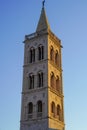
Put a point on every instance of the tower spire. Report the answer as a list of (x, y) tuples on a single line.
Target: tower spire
[(43, 21)]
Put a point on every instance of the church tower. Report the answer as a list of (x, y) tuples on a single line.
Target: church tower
[(42, 105)]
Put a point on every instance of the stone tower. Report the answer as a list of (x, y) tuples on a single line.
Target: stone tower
[(42, 92)]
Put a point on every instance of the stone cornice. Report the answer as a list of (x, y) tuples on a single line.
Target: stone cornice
[(34, 63), (38, 89), (55, 92), (35, 35), (60, 122)]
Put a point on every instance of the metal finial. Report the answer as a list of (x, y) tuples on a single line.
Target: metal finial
[(43, 2)]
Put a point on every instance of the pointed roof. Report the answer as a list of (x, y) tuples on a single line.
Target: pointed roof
[(43, 22)]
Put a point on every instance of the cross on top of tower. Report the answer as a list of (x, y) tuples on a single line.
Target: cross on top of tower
[(43, 2)]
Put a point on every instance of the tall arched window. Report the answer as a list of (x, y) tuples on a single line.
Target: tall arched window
[(57, 84), (53, 108), (39, 106), (30, 108), (40, 52), (31, 81), (39, 109), (32, 55), (59, 112), (51, 54), (52, 80), (56, 58), (40, 79)]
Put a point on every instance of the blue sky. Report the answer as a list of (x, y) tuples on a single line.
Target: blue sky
[(68, 20)]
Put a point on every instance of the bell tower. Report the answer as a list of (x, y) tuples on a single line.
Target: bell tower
[(42, 105)]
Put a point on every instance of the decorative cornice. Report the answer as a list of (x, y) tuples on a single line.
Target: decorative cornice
[(38, 89)]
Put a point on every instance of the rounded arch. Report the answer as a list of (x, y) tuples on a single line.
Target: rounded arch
[(40, 45), (40, 78), (32, 54), (52, 80), (31, 81), (57, 83), (59, 111), (31, 74), (51, 53), (40, 52), (30, 108), (57, 57), (40, 71), (31, 48), (39, 106), (53, 107)]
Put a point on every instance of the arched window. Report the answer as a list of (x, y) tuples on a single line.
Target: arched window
[(56, 58), (52, 80), (30, 108), (32, 55), (51, 54), (31, 81), (39, 109), (40, 79), (53, 108), (57, 84), (59, 112), (39, 106), (40, 52)]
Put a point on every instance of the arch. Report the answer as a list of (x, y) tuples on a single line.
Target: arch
[(57, 84), (53, 107), (32, 54), (52, 80), (51, 53), (59, 112), (39, 106), (58, 109), (31, 81), (56, 58), (40, 52), (40, 79), (30, 108)]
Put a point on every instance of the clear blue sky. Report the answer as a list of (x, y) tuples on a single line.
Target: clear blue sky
[(68, 20)]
